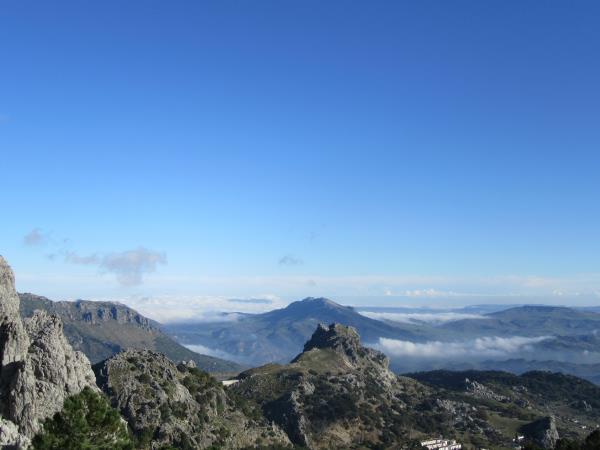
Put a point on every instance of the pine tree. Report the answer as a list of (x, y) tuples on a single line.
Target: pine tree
[(87, 422)]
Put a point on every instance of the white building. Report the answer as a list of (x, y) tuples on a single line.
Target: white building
[(441, 444)]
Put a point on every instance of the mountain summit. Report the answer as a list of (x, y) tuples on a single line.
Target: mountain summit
[(280, 334), (336, 336)]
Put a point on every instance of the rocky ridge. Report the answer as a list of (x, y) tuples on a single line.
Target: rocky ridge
[(103, 329), (38, 367)]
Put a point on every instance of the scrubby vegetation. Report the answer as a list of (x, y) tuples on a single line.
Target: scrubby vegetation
[(87, 421)]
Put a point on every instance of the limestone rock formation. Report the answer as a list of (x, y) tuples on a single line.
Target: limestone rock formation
[(480, 390), (542, 432), (345, 343), (179, 406), (38, 370), (335, 394)]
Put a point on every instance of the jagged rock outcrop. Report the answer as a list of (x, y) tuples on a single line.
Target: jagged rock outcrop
[(179, 406), (480, 390), (345, 343), (542, 432), (335, 394), (38, 370)]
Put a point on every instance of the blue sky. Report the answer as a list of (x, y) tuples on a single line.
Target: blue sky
[(375, 149)]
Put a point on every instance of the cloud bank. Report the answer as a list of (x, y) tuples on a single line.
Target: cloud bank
[(198, 309), (434, 318), (203, 350), (484, 347)]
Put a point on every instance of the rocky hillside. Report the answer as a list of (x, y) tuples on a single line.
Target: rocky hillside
[(335, 394), (169, 406), (339, 394), (543, 406), (102, 329), (38, 367)]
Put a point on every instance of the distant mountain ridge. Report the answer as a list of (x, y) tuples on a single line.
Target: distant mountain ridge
[(279, 335), (102, 329), (527, 320)]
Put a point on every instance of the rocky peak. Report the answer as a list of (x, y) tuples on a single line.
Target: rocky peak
[(335, 336), (9, 307), (542, 432), (38, 368), (325, 397), (13, 339), (344, 341)]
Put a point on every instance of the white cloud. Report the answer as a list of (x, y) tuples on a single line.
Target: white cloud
[(433, 317), (178, 308), (129, 266), (487, 347), (203, 350)]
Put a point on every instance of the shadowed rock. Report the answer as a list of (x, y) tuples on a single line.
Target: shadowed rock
[(542, 432)]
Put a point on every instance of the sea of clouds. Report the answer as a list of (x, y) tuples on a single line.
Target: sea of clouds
[(433, 317), (483, 347)]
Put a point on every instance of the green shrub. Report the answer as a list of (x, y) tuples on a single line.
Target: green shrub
[(87, 422)]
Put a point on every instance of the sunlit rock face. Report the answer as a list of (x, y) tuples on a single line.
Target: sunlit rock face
[(38, 367)]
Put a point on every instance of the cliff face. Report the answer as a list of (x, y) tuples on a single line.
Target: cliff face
[(103, 329), (38, 367)]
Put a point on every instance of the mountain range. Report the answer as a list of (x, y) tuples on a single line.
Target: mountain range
[(334, 394), (278, 335), (102, 329), (561, 338)]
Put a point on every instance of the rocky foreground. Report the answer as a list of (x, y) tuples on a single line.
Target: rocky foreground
[(38, 368), (336, 394)]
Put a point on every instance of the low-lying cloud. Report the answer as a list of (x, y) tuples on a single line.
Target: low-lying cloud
[(203, 350), (484, 347), (197, 309), (434, 318), (129, 266)]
